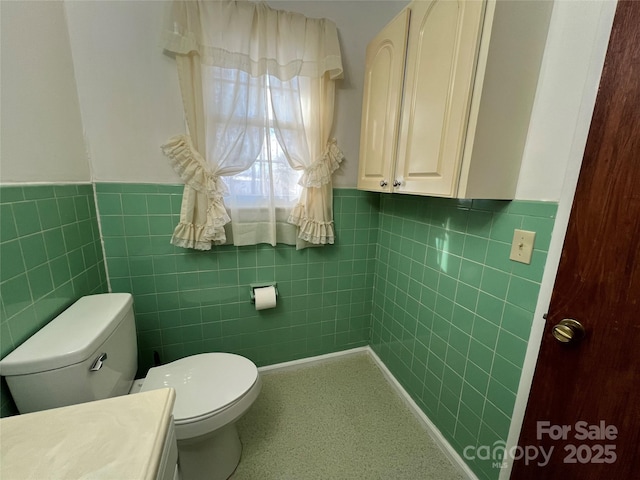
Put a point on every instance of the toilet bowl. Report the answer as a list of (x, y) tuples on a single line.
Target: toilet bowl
[(89, 352), (213, 390)]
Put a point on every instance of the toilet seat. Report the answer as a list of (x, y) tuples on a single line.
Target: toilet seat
[(208, 387)]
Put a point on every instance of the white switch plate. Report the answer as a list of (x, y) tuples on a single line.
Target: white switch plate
[(522, 246)]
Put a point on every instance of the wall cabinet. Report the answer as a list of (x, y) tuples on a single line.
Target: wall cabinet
[(449, 89)]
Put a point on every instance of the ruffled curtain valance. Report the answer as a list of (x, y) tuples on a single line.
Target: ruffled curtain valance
[(245, 70), (274, 42)]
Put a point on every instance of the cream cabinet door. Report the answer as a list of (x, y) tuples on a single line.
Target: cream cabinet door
[(441, 58), (384, 71)]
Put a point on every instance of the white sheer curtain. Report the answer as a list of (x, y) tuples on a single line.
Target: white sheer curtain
[(249, 73), (308, 103)]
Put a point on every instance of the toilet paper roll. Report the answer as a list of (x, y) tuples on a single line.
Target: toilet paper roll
[(265, 297)]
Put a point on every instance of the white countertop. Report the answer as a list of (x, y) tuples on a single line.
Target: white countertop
[(118, 438)]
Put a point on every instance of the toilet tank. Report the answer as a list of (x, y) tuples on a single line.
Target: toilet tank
[(88, 352)]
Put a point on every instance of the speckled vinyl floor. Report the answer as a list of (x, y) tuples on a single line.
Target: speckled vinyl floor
[(336, 420)]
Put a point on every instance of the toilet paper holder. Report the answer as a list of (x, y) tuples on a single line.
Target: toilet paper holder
[(253, 287)]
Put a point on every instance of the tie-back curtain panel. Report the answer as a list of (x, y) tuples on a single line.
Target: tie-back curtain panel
[(251, 75)]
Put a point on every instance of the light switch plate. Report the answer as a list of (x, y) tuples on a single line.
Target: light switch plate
[(522, 246)]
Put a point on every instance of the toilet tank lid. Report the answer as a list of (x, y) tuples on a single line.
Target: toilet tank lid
[(71, 337)]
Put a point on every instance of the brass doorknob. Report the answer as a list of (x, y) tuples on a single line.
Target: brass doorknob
[(568, 331)]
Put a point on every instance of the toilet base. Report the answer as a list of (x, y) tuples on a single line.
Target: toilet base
[(214, 456)]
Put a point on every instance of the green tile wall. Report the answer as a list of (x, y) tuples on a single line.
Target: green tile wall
[(427, 282), (188, 302), (50, 255), (452, 314)]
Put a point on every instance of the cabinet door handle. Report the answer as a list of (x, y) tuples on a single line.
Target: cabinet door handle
[(383, 183), (397, 183)]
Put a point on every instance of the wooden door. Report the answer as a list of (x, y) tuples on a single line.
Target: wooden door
[(441, 62), (384, 74), (585, 398)]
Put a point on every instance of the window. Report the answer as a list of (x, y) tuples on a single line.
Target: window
[(258, 90), (270, 178)]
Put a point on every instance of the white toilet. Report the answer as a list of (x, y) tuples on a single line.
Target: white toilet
[(89, 352)]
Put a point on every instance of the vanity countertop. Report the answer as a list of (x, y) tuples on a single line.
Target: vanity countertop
[(116, 438)]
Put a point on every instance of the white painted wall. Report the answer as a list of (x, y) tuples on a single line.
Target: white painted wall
[(130, 101), (565, 71), (41, 135), (129, 91)]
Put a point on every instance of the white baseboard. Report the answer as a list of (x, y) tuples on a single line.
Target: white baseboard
[(317, 359), (435, 434)]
